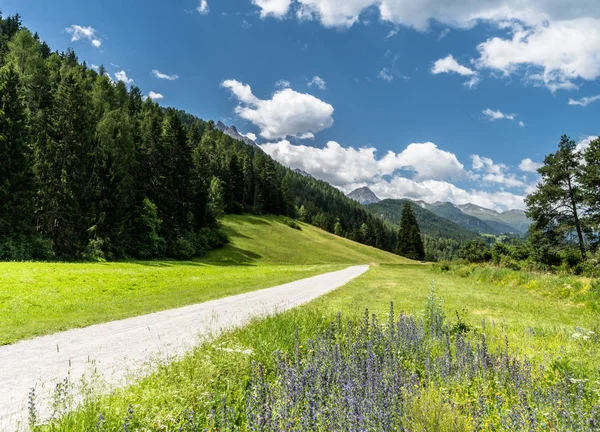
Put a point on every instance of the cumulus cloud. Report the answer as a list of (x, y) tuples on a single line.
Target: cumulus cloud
[(155, 96), (584, 143), (79, 32), (203, 8), (122, 76), (554, 54), (449, 64), (495, 173), (585, 101), (275, 8), (158, 74), (346, 165), (250, 135), (318, 82), (287, 114), (421, 171), (529, 166), (499, 115), (553, 43)]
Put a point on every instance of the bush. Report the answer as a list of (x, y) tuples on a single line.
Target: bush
[(183, 248), (444, 266), (292, 224), (509, 263)]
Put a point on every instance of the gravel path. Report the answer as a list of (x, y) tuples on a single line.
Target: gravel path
[(123, 350)]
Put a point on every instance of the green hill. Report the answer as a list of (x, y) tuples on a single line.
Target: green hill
[(431, 224), (449, 211), (39, 298), (267, 240)]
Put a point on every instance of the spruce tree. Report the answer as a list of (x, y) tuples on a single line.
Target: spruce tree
[(410, 244), (16, 187), (556, 205), (591, 183)]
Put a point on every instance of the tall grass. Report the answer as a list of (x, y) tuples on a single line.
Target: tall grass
[(409, 373)]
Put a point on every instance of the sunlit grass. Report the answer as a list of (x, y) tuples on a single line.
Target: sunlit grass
[(538, 328), (42, 298)]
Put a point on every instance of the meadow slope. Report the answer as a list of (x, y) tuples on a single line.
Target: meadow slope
[(41, 298)]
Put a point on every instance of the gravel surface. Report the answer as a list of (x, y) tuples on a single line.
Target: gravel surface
[(122, 351)]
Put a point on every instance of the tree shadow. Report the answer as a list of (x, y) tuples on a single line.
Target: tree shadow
[(233, 256)]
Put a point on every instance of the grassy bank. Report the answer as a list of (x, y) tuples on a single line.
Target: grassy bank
[(42, 298), (551, 344)]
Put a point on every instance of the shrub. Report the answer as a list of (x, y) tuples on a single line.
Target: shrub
[(444, 266), (292, 224), (183, 248)]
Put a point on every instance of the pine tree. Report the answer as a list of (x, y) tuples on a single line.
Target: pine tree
[(555, 207), (590, 181), (63, 169), (410, 244), (16, 187)]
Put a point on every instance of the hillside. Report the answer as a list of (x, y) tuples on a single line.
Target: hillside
[(267, 240), (449, 211), (108, 173), (42, 297), (515, 219), (430, 223)]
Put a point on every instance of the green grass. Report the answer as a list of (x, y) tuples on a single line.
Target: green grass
[(537, 326), (42, 298)]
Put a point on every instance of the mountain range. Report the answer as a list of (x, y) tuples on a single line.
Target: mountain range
[(469, 217)]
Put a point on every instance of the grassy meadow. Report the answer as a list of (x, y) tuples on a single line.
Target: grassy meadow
[(479, 355), (40, 298)]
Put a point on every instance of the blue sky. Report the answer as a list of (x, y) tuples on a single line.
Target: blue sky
[(466, 95)]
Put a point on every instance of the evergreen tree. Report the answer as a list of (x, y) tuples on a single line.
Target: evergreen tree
[(16, 187), (555, 207), (63, 169), (215, 198), (590, 181), (410, 244)]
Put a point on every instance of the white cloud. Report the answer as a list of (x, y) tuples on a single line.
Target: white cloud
[(584, 143), (498, 115), (158, 74), (449, 64), (203, 8), (585, 101), (339, 165), (155, 96), (122, 76), (393, 32), (386, 75), (79, 32), (552, 43), (283, 84), (529, 166), (494, 173), (420, 171), (432, 191), (250, 135), (287, 113), (275, 8), (472, 82), (522, 124), (95, 67), (318, 82), (554, 53)]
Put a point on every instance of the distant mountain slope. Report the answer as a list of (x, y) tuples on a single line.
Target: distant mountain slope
[(429, 223), (233, 133), (451, 212), (364, 196), (515, 219)]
